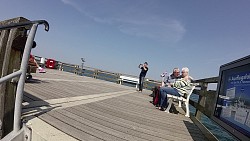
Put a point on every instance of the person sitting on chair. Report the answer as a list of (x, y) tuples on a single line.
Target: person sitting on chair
[(168, 80), (180, 87)]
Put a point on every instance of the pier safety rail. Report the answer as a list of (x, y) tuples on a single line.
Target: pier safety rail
[(18, 133)]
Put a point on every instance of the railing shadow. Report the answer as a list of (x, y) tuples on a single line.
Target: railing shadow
[(34, 106), (33, 81), (193, 131)]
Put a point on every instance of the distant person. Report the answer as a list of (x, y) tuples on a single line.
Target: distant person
[(180, 87), (32, 62), (144, 70)]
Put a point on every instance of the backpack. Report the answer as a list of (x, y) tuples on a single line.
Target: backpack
[(156, 96)]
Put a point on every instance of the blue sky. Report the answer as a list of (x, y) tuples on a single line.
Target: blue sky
[(117, 35)]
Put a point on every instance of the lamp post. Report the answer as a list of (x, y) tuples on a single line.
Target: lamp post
[(83, 60)]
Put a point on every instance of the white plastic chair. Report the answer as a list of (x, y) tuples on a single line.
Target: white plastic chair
[(180, 99)]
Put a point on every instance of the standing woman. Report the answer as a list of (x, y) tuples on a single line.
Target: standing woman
[(144, 70)]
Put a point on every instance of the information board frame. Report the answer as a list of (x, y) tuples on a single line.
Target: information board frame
[(232, 106)]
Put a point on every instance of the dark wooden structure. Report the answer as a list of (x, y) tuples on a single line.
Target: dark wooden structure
[(12, 43)]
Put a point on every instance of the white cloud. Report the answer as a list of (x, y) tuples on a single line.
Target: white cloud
[(131, 18), (73, 4), (165, 30)]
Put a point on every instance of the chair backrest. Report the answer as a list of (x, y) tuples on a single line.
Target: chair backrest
[(191, 91)]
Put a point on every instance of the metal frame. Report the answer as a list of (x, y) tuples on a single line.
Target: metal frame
[(22, 71)]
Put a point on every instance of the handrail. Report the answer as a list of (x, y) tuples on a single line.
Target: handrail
[(10, 76), (95, 73), (23, 68), (208, 80), (22, 24)]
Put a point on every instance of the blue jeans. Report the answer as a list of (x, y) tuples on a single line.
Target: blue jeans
[(141, 80), (164, 91)]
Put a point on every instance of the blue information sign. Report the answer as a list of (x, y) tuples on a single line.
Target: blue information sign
[(233, 103)]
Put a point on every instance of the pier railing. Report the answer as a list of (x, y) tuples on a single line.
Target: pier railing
[(205, 104), (207, 97), (99, 74)]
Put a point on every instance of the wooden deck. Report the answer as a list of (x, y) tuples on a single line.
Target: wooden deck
[(93, 110)]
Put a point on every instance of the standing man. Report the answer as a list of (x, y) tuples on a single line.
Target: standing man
[(144, 70)]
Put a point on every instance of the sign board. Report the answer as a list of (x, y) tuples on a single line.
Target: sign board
[(232, 109)]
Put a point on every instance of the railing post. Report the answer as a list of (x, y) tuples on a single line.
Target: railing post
[(118, 80), (81, 70), (61, 66), (202, 100), (78, 70), (75, 69), (95, 73)]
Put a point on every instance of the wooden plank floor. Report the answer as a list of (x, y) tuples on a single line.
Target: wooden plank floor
[(93, 110)]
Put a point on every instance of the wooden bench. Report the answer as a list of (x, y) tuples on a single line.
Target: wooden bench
[(129, 80), (180, 99)]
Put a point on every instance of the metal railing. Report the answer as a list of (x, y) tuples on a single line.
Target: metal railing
[(98, 73), (17, 131)]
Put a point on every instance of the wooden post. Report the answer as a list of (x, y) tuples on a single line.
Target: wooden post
[(202, 100), (12, 43), (210, 102), (60, 66), (118, 81), (78, 70), (75, 69), (95, 73)]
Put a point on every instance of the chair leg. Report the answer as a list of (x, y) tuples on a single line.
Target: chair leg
[(180, 103), (170, 101), (187, 109)]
